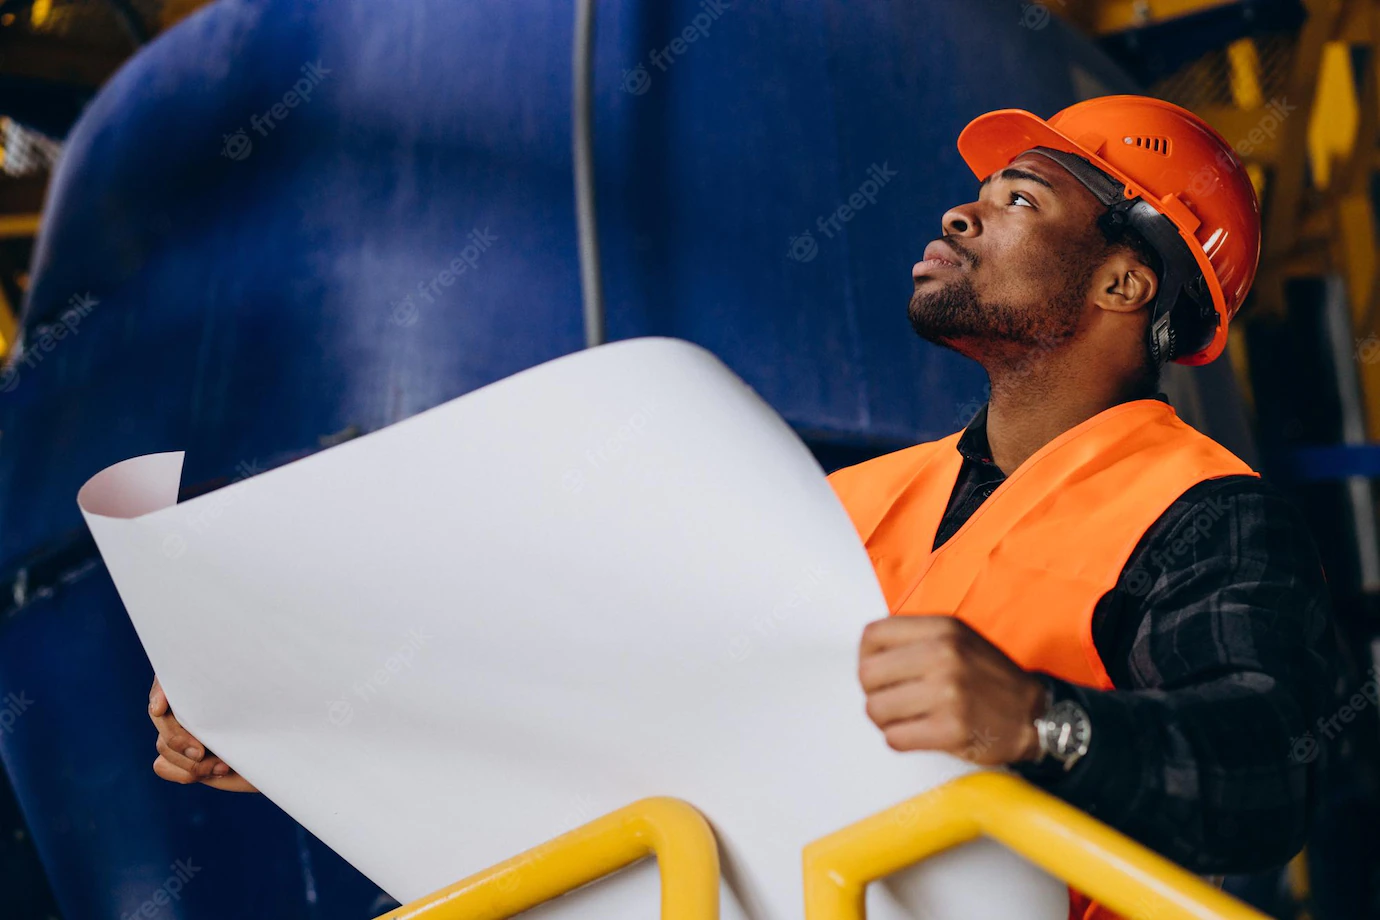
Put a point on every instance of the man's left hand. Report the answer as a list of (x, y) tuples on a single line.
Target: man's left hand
[(934, 684)]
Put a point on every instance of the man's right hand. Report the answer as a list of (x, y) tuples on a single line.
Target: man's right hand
[(182, 758)]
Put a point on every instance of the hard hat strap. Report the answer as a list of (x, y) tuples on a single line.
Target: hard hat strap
[(1184, 319), (1104, 188)]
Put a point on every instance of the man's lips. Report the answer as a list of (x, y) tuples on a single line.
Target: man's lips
[(939, 255)]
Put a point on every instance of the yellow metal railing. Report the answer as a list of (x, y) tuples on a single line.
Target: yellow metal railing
[(1086, 854), (667, 828), (1109, 867)]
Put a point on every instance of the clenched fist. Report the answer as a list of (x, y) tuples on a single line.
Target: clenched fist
[(934, 684)]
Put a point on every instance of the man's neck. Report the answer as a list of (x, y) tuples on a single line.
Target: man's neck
[(1028, 409)]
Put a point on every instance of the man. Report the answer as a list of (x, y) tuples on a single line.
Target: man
[(1134, 620), (1137, 623)]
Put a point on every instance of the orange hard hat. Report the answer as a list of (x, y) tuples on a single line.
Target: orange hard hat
[(1169, 176)]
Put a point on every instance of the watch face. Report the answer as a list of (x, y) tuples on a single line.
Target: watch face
[(1070, 731)]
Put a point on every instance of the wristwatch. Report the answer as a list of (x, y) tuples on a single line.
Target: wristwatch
[(1064, 731)]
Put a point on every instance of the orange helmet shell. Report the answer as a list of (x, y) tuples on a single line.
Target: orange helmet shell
[(1163, 154)]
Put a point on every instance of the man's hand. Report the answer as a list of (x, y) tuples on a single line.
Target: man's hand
[(182, 758), (934, 684)]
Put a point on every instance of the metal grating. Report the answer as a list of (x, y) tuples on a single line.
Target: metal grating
[(1206, 83)]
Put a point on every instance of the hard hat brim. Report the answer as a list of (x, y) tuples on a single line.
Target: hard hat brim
[(991, 141)]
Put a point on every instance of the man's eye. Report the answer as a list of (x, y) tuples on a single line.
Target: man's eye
[(1015, 195)]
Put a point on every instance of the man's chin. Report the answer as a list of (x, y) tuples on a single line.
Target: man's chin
[(942, 327), (938, 319), (967, 345)]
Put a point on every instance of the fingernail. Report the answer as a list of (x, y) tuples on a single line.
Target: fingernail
[(193, 753), (220, 769)]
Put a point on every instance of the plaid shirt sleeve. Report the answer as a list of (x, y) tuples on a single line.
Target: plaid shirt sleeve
[(1219, 641)]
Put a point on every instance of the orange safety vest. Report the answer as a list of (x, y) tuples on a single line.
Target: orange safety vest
[(1028, 567)]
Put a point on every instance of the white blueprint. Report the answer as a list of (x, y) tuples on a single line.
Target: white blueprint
[(618, 574)]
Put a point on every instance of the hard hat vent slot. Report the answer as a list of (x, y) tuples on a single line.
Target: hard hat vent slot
[(1152, 143)]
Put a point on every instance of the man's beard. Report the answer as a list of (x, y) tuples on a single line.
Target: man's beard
[(952, 315)]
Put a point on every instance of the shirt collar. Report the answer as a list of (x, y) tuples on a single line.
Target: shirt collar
[(972, 444)]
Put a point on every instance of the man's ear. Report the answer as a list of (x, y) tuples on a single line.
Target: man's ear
[(1125, 283)]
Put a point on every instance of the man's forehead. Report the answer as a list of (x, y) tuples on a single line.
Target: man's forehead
[(1036, 168), (1043, 171)]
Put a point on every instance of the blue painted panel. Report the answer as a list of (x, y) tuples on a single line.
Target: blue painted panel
[(242, 281)]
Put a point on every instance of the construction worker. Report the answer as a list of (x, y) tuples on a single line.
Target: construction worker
[(1131, 618), (1135, 620)]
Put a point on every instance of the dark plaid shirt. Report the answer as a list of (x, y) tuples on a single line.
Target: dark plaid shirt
[(1220, 650)]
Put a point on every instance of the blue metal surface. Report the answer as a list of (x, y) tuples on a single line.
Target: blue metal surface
[(264, 278)]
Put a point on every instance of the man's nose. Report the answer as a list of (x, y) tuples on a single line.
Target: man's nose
[(961, 221)]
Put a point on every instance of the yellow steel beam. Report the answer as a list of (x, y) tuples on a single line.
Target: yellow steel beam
[(1257, 174), (667, 828), (1255, 133), (1299, 884), (1245, 74), (9, 327), (176, 10), (1109, 867), (1332, 129), (1354, 240), (1288, 178), (18, 226), (1104, 16)]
